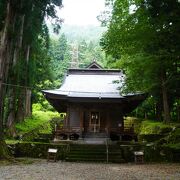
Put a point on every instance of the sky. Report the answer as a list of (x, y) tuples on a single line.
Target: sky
[(81, 12)]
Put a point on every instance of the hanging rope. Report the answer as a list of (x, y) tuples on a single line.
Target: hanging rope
[(14, 85)]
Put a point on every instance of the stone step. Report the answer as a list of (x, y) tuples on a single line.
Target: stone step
[(94, 153), (85, 159), (95, 140), (95, 135)]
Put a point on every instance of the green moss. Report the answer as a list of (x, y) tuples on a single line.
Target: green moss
[(154, 127)]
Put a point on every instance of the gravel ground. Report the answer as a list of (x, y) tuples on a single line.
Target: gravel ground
[(42, 170)]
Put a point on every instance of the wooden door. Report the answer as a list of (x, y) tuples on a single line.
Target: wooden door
[(94, 124)]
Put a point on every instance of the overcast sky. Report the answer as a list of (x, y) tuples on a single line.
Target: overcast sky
[(81, 12)]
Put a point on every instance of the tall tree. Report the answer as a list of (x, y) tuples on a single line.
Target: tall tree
[(22, 23), (143, 38)]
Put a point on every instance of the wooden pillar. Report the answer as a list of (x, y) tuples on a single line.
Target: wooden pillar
[(108, 121), (81, 115), (68, 117)]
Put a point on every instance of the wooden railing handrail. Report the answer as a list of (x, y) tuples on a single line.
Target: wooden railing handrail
[(68, 130)]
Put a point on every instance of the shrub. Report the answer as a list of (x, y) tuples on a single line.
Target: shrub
[(174, 136), (165, 130), (38, 150), (38, 123), (172, 152), (150, 137)]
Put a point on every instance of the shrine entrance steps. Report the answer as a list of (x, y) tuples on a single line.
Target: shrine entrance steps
[(95, 135), (95, 153), (95, 138)]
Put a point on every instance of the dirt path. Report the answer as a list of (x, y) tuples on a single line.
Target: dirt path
[(41, 170)]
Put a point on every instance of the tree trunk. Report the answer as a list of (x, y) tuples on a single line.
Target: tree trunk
[(11, 114), (167, 117), (178, 112), (28, 109), (13, 107), (4, 154), (158, 112), (20, 114), (19, 42), (145, 115)]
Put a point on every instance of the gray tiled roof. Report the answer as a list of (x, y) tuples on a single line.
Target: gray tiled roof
[(98, 83)]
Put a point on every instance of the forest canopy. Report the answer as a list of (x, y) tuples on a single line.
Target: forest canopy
[(143, 39)]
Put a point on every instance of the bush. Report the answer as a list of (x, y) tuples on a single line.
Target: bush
[(172, 152), (38, 150), (35, 125), (174, 136), (150, 137), (37, 107), (153, 153), (165, 130), (154, 127)]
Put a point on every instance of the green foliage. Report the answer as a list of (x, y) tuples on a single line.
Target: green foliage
[(39, 120), (143, 42), (174, 136), (60, 58), (23, 53), (173, 146), (172, 152), (89, 51), (39, 150), (152, 127), (61, 53), (153, 153)]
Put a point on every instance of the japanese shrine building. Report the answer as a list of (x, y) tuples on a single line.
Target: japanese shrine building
[(92, 100)]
